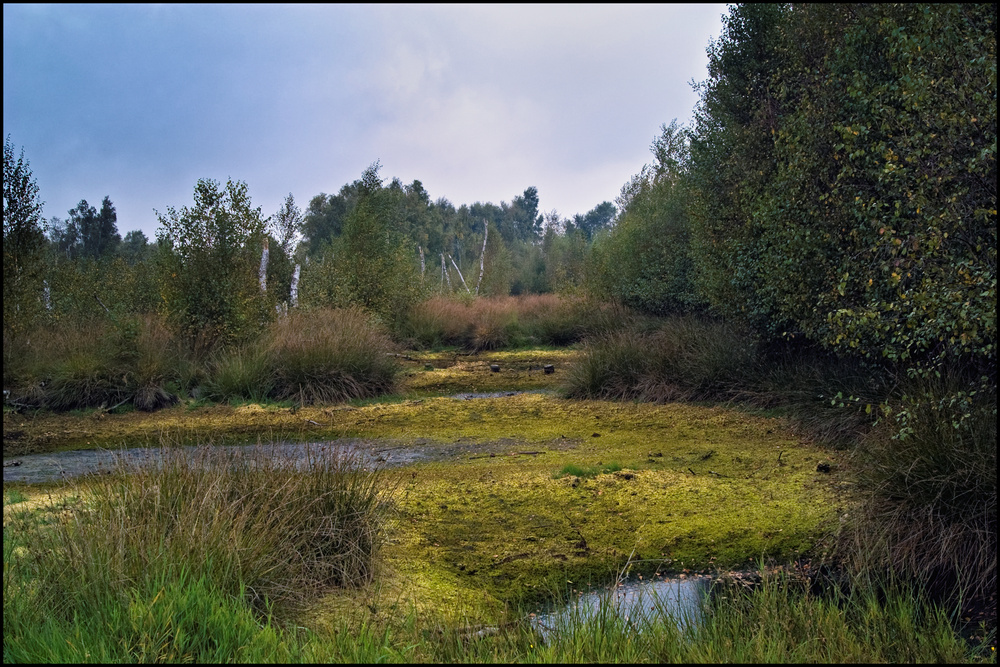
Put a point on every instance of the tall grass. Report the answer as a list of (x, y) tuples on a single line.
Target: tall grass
[(489, 323), (86, 363), (185, 559), (685, 358), (315, 356), (930, 473), (326, 355)]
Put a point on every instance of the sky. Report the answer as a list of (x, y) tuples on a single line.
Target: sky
[(479, 102)]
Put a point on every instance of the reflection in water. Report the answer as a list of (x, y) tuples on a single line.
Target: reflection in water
[(635, 601)]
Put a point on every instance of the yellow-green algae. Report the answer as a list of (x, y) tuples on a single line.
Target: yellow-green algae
[(700, 487)]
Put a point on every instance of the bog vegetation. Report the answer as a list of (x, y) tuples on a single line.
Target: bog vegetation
[(821, 243)]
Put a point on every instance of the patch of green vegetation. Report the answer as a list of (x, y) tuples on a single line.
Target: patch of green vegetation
[(13, 497), (587, 472)]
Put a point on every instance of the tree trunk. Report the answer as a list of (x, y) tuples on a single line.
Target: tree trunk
[(295, 286), (263, 268), (459, 274), (482, 255)]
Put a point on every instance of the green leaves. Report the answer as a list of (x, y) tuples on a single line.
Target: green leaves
[(212, 255)]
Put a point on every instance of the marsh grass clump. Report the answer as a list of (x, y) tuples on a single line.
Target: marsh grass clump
[(929, 469), (86, 363), (684, 358), (155, 559), (493, 323), (330, 355)]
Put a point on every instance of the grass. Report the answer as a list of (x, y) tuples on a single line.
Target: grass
[(587, 472), (317, 356), (528, 497), (494, 323), (185, 559)]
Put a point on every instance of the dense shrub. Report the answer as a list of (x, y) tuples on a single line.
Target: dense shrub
[(685, 358), (87, 363)]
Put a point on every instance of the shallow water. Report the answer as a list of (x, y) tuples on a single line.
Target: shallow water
[(636, 601), (53, 466)]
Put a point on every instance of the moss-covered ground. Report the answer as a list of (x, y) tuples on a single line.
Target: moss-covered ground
[(497, 519)]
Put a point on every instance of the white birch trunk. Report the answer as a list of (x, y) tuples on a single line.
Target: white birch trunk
[(263, 268), (482, 255), (421, 263), (445, 272), (459, 274), (47, 295), (295, 286)]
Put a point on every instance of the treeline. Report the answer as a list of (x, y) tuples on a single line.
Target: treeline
[(838, 184), (379, 245)]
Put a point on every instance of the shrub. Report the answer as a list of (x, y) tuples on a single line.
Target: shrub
[(329, 355), (929, 470)]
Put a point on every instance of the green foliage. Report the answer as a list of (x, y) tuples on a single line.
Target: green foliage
[(210, 265), (85, 287), (23, 243), (645, 262), (845, 167), (368, 265)]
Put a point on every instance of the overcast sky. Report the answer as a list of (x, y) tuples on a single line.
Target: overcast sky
[(477, 102)]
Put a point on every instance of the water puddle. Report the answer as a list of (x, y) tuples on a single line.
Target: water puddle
[(54, 466), (636, 602)]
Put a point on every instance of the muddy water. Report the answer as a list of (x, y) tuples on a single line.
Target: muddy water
[(64, 465), (634, 601)]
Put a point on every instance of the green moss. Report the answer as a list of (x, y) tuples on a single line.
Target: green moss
[(704, 487)]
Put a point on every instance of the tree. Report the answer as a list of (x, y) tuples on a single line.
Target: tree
[(134, 247), (370, 264), (211, 263), (287, 224), (23, 242), (645, 261), (600, 217)]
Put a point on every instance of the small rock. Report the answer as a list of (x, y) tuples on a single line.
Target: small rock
[(495, 368), (549, 369)]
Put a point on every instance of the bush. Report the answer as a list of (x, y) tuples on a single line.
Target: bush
[(329, 355), (685, 358)]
